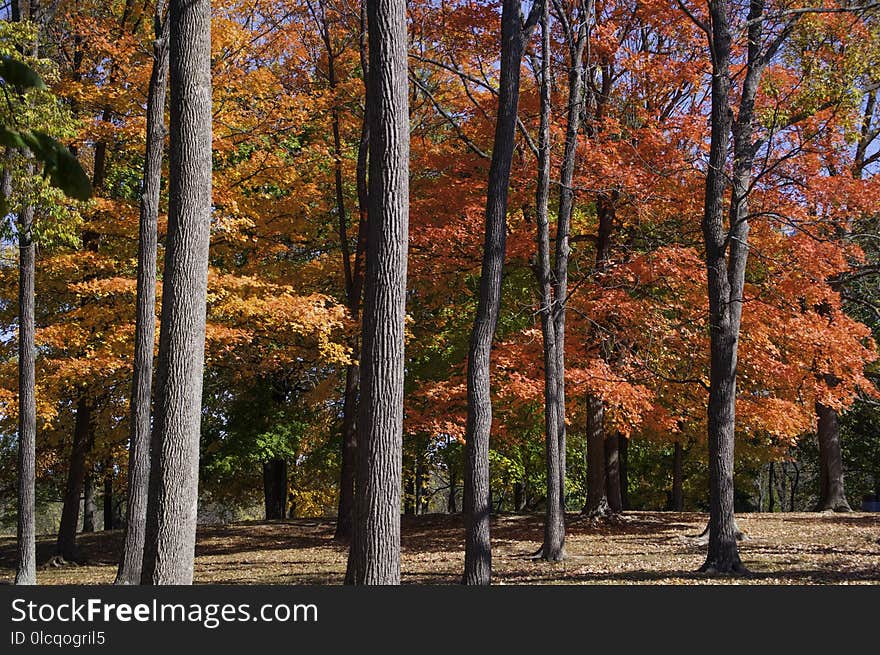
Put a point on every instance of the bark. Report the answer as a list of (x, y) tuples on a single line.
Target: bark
[(409, 494), (374, 556), (130, 563), (577, 42), (554, 520), (597, 487), (275, 489), (597, 500), (108, 507), (26, 568), (832, 493), (173, 489), (451, 507), (420, 500), (623, 467), (477, 504), (677, 480), (612, 473), (726, 254), (354, 291), (771, 485), (90, 507), (83, 435)]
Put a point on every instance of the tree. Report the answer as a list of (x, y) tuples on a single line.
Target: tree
[(174, 453), (374, 556), (131, 561), (478, 551)]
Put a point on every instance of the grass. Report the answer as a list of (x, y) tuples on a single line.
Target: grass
[(642, 548)]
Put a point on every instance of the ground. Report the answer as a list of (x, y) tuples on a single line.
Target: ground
[(642, 548)]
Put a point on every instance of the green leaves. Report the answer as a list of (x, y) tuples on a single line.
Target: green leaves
[(59, 165), (19, 74)]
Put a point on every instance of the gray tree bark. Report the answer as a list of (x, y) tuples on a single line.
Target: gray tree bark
[(26, 568), (832, 496), (597, 500), (374, 556), (477, 504), (576, 38), (130, 564), (612, 472), (173, 489), (352, 271), (83, 436), (553, 549), (90, 507), (108, 507)]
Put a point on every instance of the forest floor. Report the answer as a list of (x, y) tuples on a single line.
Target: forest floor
[(641, 548)]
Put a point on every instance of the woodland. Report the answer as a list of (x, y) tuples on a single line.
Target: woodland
[(399, 287)]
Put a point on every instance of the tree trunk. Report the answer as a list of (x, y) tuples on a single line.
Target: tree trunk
[(26, 568), (677, 479), (130, 564), (623, 467), (771, 485), (577, 43), (374, 556), (275, 489), (554, 521), (833, 495), (108, 506), (348, 461), (90, 507), (173, 496), (597, 500), (451, 507), (477, 505), (409, 494), (82, 444), (726, 255), (353, 274), (612, 473)]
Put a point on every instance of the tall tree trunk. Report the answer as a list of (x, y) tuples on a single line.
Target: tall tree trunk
[(771, 486), (353, 276), (597, 500), (173, 492), (348, 461), (612, 473), (726, 255), (597, 493), (26, 568), (374, 556), (451, 507), (130, 564), (677, 479), (90, 507), (108, 507), (833, 495), (577, 42), (623, 469), (554, 521), (477, 504), (275, 489), (82, 444), (409, 494)]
